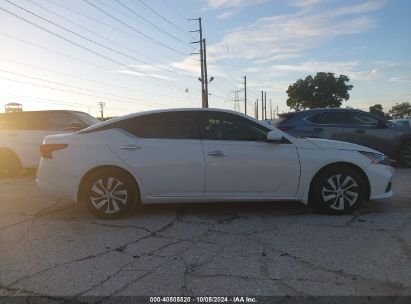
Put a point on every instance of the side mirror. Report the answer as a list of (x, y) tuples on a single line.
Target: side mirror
[(274, 136)]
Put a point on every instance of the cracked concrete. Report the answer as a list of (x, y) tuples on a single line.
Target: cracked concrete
[(55, 248)]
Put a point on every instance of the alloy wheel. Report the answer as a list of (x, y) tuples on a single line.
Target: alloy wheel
[(340, 191), (109, 195)]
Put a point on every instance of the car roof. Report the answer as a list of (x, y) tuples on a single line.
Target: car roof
[(143, 113), (39, 112)]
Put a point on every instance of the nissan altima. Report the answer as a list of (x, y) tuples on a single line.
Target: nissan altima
[(206, 155)]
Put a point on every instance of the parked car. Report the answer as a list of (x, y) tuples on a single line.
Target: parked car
[(352, 126), (206, 155), (402, 122), (22, 133)]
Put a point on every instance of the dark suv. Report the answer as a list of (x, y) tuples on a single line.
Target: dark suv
[(353, 126)]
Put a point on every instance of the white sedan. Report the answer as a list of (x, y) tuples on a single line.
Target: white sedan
[(206, 155)]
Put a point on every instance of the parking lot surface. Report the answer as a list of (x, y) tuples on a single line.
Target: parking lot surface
[(56, 248)]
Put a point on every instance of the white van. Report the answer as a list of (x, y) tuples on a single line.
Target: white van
[(22, 133)]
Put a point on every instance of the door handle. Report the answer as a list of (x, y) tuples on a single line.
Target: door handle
[(217, 153), (318, 129), (130, 147), (360, 131)]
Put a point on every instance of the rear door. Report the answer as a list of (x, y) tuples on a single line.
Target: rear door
[(164, 150)]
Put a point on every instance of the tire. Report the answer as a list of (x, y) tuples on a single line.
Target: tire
[(405, 154), (110, 193), (9, 164), (337, 190)]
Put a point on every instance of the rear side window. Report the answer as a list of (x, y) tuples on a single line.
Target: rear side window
[(163, 126), (329, 118)]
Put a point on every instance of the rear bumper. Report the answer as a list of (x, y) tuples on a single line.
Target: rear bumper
[(52, 182)]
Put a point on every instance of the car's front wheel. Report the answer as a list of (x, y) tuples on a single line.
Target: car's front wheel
[(337, 190), (110, 193)]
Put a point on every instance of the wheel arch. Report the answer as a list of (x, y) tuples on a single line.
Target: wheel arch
[(343, 164), (12, 154), (105, 167)]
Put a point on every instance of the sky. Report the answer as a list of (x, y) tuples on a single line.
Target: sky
[(137, 55)]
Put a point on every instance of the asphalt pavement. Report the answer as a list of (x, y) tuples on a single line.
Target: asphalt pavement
[(55, 248)]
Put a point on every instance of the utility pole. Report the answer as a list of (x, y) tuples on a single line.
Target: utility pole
[(262, 105), (256, 109), (236, 101), (245, 95), (102, 106), (200, 30), (271, 109), (205, 80)]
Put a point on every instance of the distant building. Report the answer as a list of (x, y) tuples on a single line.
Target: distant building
[(13, 107)]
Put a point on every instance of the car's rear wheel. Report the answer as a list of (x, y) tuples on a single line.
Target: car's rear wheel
[(9, 164), (405, 154), (337, 190), (110, 193)]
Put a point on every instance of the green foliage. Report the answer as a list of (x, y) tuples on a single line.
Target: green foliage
[(323, 90), (377, 109), (401, 110)]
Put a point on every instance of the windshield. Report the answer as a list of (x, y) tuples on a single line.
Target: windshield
[(87, 119)]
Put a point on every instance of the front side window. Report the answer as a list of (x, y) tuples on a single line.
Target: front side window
[(61, 121), (359, 118), (163, 126), (222, 126)]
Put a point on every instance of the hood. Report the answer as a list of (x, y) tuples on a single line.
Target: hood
[(340, 145)]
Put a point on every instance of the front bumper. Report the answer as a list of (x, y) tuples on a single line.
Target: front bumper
[(380, 178)]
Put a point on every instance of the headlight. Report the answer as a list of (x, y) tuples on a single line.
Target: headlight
[(377, 158)]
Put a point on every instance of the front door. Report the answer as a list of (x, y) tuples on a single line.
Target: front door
[(240, 162)]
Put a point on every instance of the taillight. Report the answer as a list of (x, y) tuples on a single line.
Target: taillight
[(46, 150)]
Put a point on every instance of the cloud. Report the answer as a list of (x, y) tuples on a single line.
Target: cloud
[(399, 79), (191, 66), (305, 3), (293, 34), (226, 14), (218, 4)]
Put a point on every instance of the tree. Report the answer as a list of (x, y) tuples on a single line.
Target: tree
[(323, 90), (401, 110), (378, 110)]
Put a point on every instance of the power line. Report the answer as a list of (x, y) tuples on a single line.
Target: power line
[(78, 93), (69, 86), (83, 37), (166, 85), (90, 31), (152, 24), (85, 79), (149, 8), (135, 30)]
